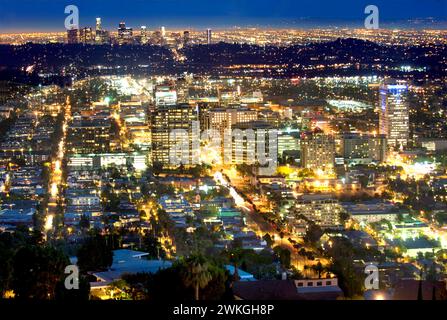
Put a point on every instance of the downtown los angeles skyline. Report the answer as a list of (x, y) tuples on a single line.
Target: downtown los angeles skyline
[(47, 15)]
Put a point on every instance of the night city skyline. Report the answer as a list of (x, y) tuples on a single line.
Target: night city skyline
[(47, 15)]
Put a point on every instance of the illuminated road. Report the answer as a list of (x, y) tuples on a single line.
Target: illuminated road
[(56, 175), (259, 225)]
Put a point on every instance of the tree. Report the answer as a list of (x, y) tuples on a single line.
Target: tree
[(344, 216), (6, 255), (218, 285), (268, 239), (235, 256), (10, 243), (157, 168), (319, 269), (152, 245), (197, 274), (177, 282), (342, 254), (81, 294), (138, 284), (296, 274), (313, 233), (120, 290), (364, 180), (37, 271), (95, 254), (283, 256), (84, 222)]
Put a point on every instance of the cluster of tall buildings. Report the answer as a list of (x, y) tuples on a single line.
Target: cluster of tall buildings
[(127, 35), (89, 35), (316, 150)]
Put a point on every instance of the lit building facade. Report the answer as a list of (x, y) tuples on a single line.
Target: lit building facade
[(220, 119), (101, 35), (144, 38), (86, 35), (394, 113), (208, 36), (323, 210), (164, 120), (72, 36), (89, 135), (165, 96), (318, 151), (363, 148), (186, 38), (125, 35)]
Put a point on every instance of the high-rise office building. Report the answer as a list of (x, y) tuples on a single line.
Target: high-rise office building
[(164, 120), (125, 35), (101, 35), (208, 36), (156, 37), (86, 35), (162, 36), (318, 151), (88, 135), (186, 38), (144, 39), (394, 113), (72, 36), (98, 24), (135, 117), (250, 143)]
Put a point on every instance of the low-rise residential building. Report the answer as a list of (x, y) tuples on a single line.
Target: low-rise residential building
[(373, 211)]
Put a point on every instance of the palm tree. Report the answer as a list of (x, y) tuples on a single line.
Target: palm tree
[(196, 274), (236, 256), (420, 296), (318, 268)]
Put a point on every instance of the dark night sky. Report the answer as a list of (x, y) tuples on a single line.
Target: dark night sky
[(17, 15)]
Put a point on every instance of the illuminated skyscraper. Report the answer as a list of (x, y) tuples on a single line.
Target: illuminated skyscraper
[(100, 34), (162, 35), (125, 35), (98, 24), (208, 36), (144, 37), (394, 113), (185, 38), (86, 35), (72, 36)]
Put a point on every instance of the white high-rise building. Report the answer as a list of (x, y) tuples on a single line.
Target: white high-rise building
[(98, 24), (394, 113), (208, 36)]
